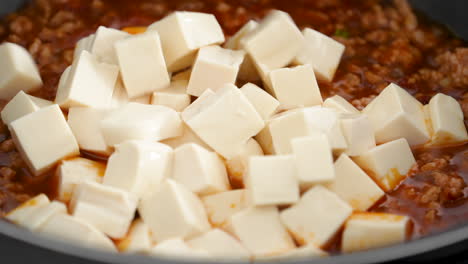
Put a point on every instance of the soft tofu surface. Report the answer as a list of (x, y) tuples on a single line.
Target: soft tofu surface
[(182, 76), (120, 96), (103, 41), (340, 104), (316, 217), (136, 121), (214, 67), (177, 248), (173, 211), (85, 43), (353, 185), (142, 64), (109, 209), (56, 139), (320, 51), (373, 230), (396, 114), (221, 206), (138, 239), (265, 104), (188, 136), (220, 245), (359, 134), (183, 33), (237, 166), (26, 210), (175, 96), (200, 170), (21, 105), (388, 164), (306, 251), (41, 215), (19, 71)]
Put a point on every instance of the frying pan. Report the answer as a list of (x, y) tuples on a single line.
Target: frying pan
[(21, 246)]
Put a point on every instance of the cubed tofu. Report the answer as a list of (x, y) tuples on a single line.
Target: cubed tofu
[(75, 171), (220, 245), (340, 104), (313, 159), (139, 166), (200, 170), (120, 96), (188, 136), (446, 120), (272, 180), (307, 251), (388, 164), (142, 64), (175, 96), (173, 211), (225, 120), (260, 230), (317, 217), (21, 105), (177, 248), (40, 216), (396, 114), (84, 43), (21, 214), (19, 71), (138, 239), (214, 67), (322, 52), (183, 33), (353, 185), (109, 209), (265, 104), (221, 206), (372, 230), (359, 134), (56, 138), (295, 87), (237, 166), (234, 42), (136, 121), (85, 123), (101, 44)]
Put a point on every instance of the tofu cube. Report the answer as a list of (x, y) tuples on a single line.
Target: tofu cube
[(388, 164), (136, 121), (313, 159), (109, 209), (221, 206), (316, 217), (265, 104), (396, 114), (237, 166), (260, 230), (200, 170), (56, 138), (183, 33), (102, 43), (173, 211), (272, 180), (138, 166), (19, 71), (373, 230), (214, 67), (138, 239), (26, 210), (225, 120), (21, 105), (322, 52), (84, 44), (220, 245), (177, 248), (307, 251), (446, 120), (340, 104), (120, 96), (144, 50), (175, 96), (359, 134), (187, 137), (182, 76), (353, 185), (75, 171)]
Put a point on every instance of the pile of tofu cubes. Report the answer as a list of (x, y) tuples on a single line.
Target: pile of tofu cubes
[(212, 170)]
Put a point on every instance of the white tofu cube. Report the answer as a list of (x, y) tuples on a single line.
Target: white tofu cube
[(313, 159), (102, 43), (136, 121), (388, 164), (109, 209), (359, 134), (237, 166), (322, 52), (214, 67), (75, 171), (56, 138), (138, 239), (221, 206), (138, 166), (340, 104), (21, 105), (182, 76), (446, 120), (120, 96), (307, 251), (265, 104), (187, 137), (260, 230), (225, 121), (26, 210), (175, 96), (85, 43), (396, 114), (85, 123), (220, 245), (183, 33), (372, 230), (173, 211), (177, 248), (145, 51), (316, 217), (353, 185), (19, 71)]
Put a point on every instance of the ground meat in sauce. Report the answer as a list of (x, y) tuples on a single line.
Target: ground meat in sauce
[(385, 42)]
